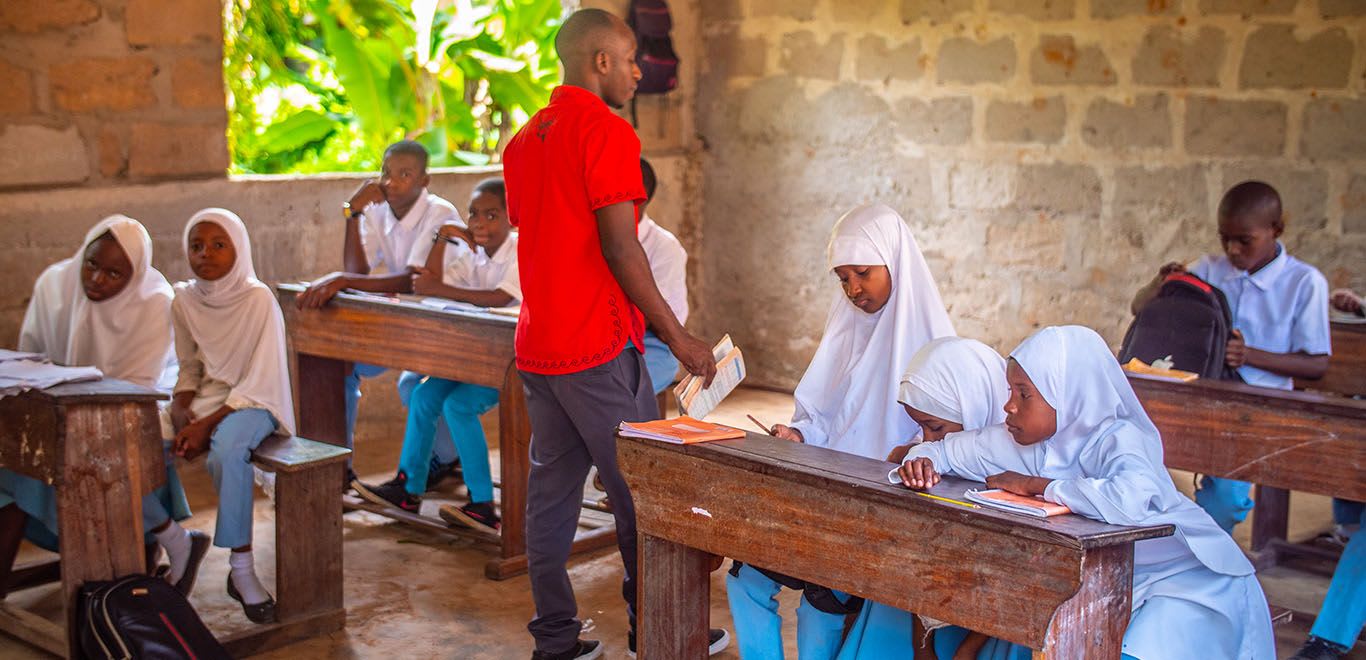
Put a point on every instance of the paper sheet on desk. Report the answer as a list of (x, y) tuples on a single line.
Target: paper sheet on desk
[(457, 306), (17, 376), (7, 355)]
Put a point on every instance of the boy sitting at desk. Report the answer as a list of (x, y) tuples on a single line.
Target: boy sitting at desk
[(388, 224), (486, 276), (1279, 306)]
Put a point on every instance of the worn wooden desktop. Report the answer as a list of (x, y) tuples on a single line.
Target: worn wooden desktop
[(1061, 585), (99, 444), (1291, 440), (471, 347)]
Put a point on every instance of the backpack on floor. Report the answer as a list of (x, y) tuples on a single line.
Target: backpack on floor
[(651, 22), (142, 617), (1189, 320)]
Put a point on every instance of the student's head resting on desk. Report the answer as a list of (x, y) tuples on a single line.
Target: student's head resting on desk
[(403, 176), (1250, 221), (488, 215), (953, 384), (105, 268), (598, 52)]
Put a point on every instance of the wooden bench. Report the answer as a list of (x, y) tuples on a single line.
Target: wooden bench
[(308, 544), (1060, 585)]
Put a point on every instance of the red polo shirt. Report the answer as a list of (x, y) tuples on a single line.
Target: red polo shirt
[(571, 159)]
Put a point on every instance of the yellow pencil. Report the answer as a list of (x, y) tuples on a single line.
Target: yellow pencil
[(950, 500)]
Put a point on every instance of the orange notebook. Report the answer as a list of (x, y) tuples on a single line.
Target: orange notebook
[(1012, 503), (679, 430)]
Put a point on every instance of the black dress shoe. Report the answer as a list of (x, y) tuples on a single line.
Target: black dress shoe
[(257, 613)]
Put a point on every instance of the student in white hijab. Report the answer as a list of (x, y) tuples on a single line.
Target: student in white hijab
[(233, 391), (108, 308), (890, 307), (1076, 434), (952, 384)]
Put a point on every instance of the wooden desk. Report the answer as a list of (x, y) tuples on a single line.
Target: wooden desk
[(1062, 585), (471, 347), (1281, 439), (99, 444), (1347, 366)]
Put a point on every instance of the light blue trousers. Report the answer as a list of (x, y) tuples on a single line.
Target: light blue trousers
[(660, 362), (758, 626), (1343, 613), (1225, 500), (229, 464), (460, 405), (443, 448), (947, 640)]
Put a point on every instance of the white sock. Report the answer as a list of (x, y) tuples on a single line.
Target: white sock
[(176, 540), (244, 578)]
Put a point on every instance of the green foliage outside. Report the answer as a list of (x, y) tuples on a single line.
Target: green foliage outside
[(325, 85)]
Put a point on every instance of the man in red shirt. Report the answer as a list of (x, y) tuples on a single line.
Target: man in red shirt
[(573, 188)]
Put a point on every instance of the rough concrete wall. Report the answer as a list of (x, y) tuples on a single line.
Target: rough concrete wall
[(102, 92), (1048, 154)]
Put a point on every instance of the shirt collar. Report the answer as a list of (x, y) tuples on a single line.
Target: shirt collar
[(505, 252), (574, 95), (415, 214), (1263, 278)]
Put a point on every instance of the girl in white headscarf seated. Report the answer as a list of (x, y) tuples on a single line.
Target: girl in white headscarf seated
[(1076, 435), (233, 391), (888, 309), (951, 385), (108, 308)]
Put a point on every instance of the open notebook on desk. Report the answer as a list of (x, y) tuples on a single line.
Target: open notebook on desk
[(17, 376)]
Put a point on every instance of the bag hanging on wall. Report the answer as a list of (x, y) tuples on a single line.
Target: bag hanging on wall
[(651, 22)]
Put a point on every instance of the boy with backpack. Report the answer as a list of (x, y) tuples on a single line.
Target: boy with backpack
[(1279, 313)]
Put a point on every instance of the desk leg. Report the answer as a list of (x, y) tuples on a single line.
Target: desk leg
[(1270, 522), (674, 594), (514, 452), (98, 506), (1091, 624), (322, 398)]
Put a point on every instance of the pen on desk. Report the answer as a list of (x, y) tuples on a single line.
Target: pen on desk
[(950, 500), (760, 424)]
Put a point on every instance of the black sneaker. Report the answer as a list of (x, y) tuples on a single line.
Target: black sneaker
[(584, 649), (438, 472), (393, 492), (479, 515), (1319, 649), (717, 641)]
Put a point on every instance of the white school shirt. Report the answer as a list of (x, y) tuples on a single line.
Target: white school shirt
[(1282, 308), (668, 263), (397, 243), (478, 271)]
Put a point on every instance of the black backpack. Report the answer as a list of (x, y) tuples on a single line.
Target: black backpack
[(1189, 320), (651, 22), (142, 617)]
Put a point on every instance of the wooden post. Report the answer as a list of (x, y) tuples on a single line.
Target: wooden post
[(673, 591), (322, 398), (1270, 518), (1092, 623), (514, 451), (308, 541)]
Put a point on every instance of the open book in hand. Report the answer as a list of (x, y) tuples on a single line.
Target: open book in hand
[(697, 401), (679, 430), (1012, 503)]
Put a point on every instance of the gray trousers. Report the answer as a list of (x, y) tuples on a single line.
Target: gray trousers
[(573, 418)]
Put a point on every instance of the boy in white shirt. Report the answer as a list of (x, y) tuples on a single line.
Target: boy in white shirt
[(389, 224), (1279, 306), (487, 277), (669, 264)]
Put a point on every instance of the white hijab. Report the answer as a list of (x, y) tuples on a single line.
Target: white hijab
[(238, 327), (847, 398), (959, 380), (127, 336), (1099, 416)]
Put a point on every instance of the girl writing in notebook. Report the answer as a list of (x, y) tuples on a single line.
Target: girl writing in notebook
[(951, 385), (888, 309), (1076, 435), (104, 307), (233, 391)]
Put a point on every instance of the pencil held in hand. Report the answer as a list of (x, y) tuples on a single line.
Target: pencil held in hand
[(760, 424)]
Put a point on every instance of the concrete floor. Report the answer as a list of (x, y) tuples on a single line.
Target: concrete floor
[(410, 594)]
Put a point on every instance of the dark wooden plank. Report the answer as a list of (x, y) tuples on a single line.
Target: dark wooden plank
[(308, 542), (259, 639), (34, 629), (857, 538), (321, 397), (1295, 440), (586, 541), (675, 618), (1091, 623), (30, 428), (105, 390), (293, 454), (857, 476), (1347, 366)]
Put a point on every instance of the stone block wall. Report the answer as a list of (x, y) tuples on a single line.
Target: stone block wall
[(103, 92), (1049, 155)]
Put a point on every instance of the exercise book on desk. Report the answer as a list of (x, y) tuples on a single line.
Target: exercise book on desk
[(1001, 500), (679, 430), (18, 376), (697, 401)]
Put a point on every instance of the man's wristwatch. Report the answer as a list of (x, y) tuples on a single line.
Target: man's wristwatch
[(347, 213)]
